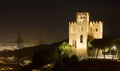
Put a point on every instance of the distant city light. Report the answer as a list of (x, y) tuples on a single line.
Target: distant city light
[(8, 48)]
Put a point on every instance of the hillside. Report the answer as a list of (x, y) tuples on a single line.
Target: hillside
[(29, 51)]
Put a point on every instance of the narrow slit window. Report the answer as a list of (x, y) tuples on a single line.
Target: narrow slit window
[(81, 38), (75, 43)]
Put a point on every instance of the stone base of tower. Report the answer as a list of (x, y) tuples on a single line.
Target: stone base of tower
[(80, 52)]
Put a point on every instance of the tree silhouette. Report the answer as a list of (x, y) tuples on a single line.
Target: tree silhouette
[(101, 44), (65, 49), (45, 55)]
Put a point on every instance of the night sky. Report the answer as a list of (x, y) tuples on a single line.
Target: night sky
[(51, 17)]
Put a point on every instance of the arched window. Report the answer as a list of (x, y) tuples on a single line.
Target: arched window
[(81, 38), (96, 29)]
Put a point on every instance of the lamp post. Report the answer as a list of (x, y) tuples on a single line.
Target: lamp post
[(113, 52)]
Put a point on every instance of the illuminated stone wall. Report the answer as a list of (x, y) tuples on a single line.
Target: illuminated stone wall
[(96, 29), (79, 31)]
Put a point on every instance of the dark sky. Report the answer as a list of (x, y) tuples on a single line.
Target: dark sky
[(51, 17)]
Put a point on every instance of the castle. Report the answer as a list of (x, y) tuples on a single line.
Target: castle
[(80, 30)]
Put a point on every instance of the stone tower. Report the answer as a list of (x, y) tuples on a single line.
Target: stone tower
[(79, 31)]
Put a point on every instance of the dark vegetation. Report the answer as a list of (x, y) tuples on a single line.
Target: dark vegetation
[(47, 54), (50, 54), (91, 65)]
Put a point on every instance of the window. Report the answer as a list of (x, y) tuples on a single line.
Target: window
[(83, 18), (81, 38), (96, 29), (74, 43)]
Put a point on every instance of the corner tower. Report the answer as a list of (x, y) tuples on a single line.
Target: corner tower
[(96, 29)]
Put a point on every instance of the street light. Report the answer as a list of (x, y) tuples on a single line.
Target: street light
[(113, 52), (114, 47)]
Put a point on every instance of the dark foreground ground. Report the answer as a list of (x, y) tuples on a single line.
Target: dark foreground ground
[(90, 65)]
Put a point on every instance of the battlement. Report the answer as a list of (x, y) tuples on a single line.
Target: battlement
[(95, 22), (72, 23)]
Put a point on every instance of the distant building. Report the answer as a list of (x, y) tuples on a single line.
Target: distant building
[(80, 30)]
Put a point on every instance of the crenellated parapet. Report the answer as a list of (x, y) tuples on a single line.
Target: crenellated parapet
[(72, 23), (96, 23)]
